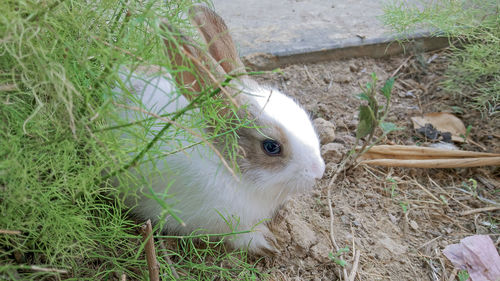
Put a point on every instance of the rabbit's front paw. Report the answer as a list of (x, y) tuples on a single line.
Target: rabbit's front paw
[(260, 241)]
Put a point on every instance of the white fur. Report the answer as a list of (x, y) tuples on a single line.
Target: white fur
[(202, 189)]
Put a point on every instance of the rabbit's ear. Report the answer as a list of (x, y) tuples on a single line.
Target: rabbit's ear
[(185, 57), (219, 41)]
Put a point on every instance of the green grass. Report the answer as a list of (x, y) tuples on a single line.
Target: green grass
[(58, 62), (473, 27)]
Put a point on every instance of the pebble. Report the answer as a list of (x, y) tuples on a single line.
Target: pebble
[(342, 79), (332, 152), (414, 225), (325, 129)]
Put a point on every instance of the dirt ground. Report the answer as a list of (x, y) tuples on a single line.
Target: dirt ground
[(399, 219)]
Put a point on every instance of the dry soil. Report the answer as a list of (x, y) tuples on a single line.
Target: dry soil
[(398, 219)]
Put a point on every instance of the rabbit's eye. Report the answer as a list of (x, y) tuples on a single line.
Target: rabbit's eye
[(271, 147)]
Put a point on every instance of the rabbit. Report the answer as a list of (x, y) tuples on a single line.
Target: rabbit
[(279, 159)]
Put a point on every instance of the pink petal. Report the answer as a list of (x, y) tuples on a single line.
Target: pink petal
[(478, 255)]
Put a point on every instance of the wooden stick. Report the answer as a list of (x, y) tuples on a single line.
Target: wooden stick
[(485, 209), (435, 163), (153, 267)]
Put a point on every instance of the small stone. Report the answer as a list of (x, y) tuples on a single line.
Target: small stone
[(393, 219), (448, 230), (408, 94), (443, 243), (393, 246), (325, 129), (260, 60), (342, 79), (414, 225), (302, 234), (332, 152), (344, 219), (331, 166), (347, 140), (353, 68), (320, 252)]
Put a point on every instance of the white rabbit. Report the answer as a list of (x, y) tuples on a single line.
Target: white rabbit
[(279, 159)]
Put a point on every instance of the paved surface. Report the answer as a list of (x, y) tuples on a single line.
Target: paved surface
[(307, 30), (287, 26)]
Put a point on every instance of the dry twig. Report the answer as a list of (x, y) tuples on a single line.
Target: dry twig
[(153, 267), (340, 168), (480, 198), (354, 269), (426, 191), (47, 269), (169, 261), (311, 77), (480, 210), (400, 66), (13, 232), (430, 241)]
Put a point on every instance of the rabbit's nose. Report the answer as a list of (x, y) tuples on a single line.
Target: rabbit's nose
[(317, 169)]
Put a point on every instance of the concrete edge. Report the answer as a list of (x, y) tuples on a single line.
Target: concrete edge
[(349, 48)]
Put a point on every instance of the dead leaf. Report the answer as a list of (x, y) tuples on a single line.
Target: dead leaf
[(478, 255), (443, 122)]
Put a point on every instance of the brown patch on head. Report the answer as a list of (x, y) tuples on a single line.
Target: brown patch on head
[(254, 157)]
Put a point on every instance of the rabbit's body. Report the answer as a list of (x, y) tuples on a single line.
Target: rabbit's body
[(279, 159)]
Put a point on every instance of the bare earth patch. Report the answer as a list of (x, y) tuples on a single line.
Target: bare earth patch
[(399, 219)]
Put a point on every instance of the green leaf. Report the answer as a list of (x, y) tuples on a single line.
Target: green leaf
[(388, 127), (463, 275), (457, 109), (386, 90), (336, 260), (343, 250), (404, 206), (363, 96), (340, 262), (366, 121)]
